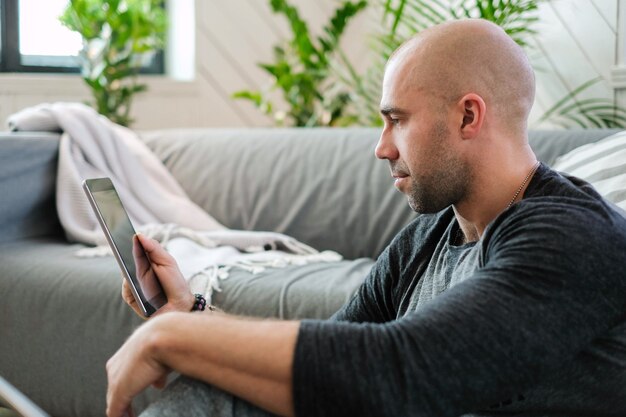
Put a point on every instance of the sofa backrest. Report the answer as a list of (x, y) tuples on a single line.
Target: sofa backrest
[(322, 186), (548, 145)]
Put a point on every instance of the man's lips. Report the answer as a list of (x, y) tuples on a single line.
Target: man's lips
[(399, 178), (399, 175)]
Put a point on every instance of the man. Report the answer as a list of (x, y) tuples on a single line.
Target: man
[(507, 296)]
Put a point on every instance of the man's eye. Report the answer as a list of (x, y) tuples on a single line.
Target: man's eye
[(391, 120)]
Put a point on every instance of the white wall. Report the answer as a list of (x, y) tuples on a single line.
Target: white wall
[(577, 41)]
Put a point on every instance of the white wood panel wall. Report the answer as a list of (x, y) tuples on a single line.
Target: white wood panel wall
[(577, 41)]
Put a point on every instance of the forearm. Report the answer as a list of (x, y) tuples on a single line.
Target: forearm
[(250, 359)]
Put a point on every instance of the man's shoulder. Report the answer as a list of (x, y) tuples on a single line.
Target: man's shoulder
[(572, 223), (562, 198), (554, 188), (582, 210)]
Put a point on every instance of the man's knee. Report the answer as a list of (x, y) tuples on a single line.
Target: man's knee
[(190, 397), (194, 397)]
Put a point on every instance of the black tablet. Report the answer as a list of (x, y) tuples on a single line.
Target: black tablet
[(131, 257)]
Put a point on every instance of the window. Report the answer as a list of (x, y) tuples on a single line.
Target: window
[(33, 39)]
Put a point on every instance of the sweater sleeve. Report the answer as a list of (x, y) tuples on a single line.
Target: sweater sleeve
[(371, 302), (550, 283)]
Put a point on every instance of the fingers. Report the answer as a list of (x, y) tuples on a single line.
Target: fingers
[(132, 369), (129, 298), (127, 294), (117, 405)]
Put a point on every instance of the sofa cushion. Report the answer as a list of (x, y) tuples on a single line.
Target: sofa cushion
[(602, 164), (28, 164)]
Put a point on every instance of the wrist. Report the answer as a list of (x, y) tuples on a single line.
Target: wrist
[(157, 332), (165, 340), (190, 302)]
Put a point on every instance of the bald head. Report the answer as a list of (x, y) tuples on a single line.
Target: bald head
[(470, 56)]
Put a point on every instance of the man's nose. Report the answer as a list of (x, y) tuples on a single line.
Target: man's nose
[(386, 149)]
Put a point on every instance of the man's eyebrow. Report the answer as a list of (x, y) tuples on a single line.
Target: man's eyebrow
[(385, 110)]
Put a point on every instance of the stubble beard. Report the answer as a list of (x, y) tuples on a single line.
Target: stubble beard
[(446, 181)]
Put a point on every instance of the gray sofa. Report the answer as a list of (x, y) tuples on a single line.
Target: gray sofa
[(61, 317)]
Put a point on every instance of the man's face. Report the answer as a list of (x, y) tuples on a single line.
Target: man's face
[(418, 143)]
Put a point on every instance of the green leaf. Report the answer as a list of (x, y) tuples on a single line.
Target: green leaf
[(593, 112), (569, 97), (301, 37), (253, 96)]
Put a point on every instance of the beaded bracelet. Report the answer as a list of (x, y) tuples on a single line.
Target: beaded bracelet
[(200, 303)]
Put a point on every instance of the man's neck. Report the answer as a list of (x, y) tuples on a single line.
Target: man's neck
[(493, 193)]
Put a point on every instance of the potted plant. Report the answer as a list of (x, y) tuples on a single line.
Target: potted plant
[(117, 35)]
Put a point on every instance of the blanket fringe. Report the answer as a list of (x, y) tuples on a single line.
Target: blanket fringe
[(207, 280), (263, 251)]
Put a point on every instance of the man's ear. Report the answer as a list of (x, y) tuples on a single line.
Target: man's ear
[(472, 108)]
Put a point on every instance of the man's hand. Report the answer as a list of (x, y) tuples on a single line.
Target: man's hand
[(179, 297), (132, 369)]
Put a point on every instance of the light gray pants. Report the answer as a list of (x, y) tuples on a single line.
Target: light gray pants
[(193, 398)]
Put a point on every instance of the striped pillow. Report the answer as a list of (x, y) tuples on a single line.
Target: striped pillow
[(602, 164)]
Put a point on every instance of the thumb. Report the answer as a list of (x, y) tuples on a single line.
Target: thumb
[(157, 253), (147, 243)]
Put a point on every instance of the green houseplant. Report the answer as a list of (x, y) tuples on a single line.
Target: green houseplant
[(117, 36), (302, 71)]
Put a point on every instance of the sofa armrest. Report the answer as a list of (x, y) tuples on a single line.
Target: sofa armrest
[(28, 165)]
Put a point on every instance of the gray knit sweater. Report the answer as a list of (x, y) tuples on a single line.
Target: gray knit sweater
[(536, 328)]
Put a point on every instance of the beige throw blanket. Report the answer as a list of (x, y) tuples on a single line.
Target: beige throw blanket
[(92, 146)]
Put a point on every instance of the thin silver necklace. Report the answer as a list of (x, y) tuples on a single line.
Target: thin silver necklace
[(459, 238)]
